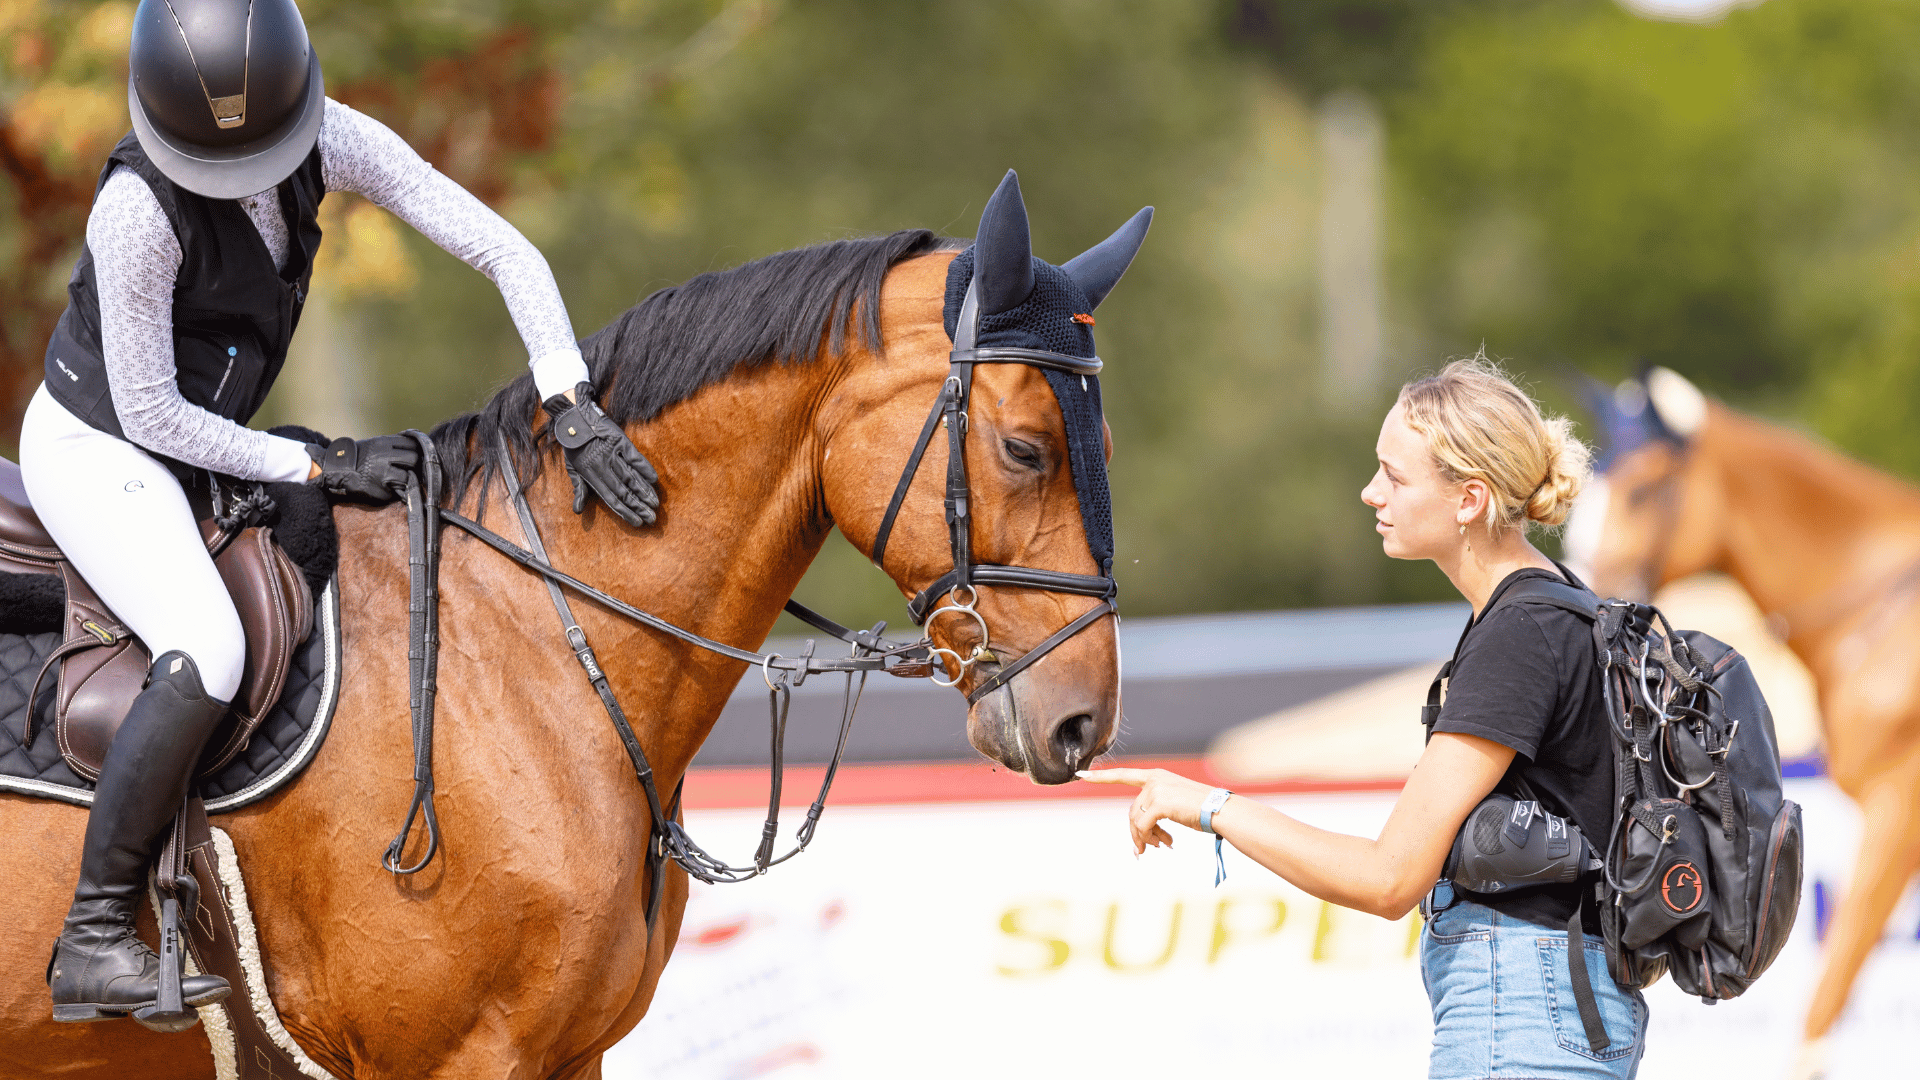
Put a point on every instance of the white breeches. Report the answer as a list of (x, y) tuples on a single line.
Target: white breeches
[(124, 522)]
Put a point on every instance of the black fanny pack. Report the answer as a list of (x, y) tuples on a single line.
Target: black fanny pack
[(1509, 844)]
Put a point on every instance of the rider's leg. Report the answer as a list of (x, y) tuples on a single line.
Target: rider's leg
[(125, 523), (100, 969)]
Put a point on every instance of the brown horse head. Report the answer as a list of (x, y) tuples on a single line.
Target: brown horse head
[(783, 398), (1036, 482), (1654, 512)]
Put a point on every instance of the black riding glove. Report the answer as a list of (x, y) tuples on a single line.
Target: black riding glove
[(601, 457), (367, 470)]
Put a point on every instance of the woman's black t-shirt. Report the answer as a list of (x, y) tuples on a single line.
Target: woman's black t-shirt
[(1525, 677)]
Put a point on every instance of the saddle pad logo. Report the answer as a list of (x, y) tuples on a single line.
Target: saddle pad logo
[(1680, 888)]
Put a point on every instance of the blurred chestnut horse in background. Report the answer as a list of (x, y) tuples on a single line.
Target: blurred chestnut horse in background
[(523, 951), (1829, 549)]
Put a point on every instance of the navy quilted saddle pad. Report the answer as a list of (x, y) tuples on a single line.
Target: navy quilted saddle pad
[(281, 746)]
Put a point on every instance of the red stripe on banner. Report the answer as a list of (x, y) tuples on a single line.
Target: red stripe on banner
[(952, 782)]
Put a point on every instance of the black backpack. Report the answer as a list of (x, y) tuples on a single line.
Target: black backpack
[(1701, 875)]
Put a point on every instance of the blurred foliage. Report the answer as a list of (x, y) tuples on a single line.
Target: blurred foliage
[(1568, 184), (1327, 45), (1736, 201), (62, 107)]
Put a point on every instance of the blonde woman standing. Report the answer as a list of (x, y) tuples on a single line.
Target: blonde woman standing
[(1467, 465)]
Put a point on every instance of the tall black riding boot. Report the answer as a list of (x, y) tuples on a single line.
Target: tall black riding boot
[(100, 967)]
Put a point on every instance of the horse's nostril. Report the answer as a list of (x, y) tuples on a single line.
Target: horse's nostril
[(1073, 740)]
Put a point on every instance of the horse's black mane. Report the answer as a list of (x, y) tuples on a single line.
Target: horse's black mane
[(682, 338)]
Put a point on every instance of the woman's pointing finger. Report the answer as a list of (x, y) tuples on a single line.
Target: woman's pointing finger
[(1136, 777)]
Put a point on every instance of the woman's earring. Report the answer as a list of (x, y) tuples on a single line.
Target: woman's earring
[(1463, 532)]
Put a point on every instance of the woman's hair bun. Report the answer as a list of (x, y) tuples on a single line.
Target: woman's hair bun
[(1481, 426), (1568, 465)]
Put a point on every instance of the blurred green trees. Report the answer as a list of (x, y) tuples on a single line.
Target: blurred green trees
[(1566, 182), (1735, 201)]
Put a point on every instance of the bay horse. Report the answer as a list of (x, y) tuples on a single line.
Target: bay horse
[(778, 400), (1829, 549)]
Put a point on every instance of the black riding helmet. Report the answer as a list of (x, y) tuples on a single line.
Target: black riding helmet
[(225, 94)]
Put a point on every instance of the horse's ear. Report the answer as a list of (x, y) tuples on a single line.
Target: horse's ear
[(1679, 404), (1003, 250), (1097, 270), (1611, 424)]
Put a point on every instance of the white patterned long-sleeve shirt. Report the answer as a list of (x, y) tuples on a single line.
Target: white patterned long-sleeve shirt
[(137, 259)]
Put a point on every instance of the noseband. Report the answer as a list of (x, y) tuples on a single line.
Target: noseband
[(950, 411)]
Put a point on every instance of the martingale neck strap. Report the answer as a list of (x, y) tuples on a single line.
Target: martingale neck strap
[(596, 676)]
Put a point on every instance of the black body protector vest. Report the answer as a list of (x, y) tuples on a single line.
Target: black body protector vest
[(234, 312)]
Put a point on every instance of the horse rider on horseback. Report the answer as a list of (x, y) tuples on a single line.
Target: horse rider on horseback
[(199, 250)]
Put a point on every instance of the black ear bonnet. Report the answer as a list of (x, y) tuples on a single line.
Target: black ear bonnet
[(1044, 320), (1625, 418)]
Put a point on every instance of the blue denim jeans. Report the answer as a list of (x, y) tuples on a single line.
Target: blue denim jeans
[(1503, 1004)]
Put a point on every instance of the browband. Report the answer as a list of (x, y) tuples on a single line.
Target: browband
[(1072, 365)]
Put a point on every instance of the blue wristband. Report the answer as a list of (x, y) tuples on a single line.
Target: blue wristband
[(1216, 799)]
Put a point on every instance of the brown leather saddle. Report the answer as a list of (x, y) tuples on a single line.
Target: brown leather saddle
[(102, 667)]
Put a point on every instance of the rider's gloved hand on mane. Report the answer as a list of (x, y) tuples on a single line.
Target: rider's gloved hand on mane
[(601, 457), (365, 470)]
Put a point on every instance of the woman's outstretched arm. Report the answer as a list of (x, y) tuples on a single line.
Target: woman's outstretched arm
[(1385, 877)]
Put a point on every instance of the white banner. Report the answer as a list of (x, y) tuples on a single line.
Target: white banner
[(1023, 939)]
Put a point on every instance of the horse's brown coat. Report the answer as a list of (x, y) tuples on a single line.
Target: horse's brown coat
[(522, 951), (1830, 550)]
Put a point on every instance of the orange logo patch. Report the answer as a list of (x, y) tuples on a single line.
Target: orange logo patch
[(1680, 889), (1083, 320)]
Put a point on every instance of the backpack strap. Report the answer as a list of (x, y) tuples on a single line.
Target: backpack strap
[(1430, 712), (1583, 985), (1545, 592), (1574, 597)]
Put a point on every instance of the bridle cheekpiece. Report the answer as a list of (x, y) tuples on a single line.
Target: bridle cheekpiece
[(950, 411)]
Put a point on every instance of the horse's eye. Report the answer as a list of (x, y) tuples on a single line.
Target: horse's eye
[(1024, 453)]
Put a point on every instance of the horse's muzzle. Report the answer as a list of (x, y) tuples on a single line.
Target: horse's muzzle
[(1048, 728)]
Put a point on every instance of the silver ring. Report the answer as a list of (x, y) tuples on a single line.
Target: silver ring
[(766, 669), (973, 595), (985, 634), (934, 676)]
